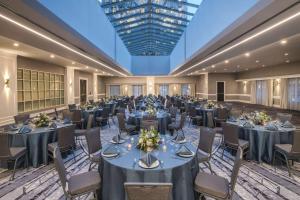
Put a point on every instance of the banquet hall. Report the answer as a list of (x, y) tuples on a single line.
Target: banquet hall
[(149, 99)]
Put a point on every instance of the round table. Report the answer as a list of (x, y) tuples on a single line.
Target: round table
[(262, 141), (164, 119), (203, 111), (179, 171)]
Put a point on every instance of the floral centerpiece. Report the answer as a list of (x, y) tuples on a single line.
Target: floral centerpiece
[(86, 106), (260, 118), (148, 140), (151, 111), (210, 105), (42, 120)]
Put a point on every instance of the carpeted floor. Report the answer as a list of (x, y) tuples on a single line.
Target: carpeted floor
[(256, 181)]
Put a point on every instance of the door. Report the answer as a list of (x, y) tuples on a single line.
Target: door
[(220, 91), (83, 91)]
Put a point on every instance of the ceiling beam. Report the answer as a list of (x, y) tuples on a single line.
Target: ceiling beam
[(153, 37), (150, 19), (148, 39), (152, 31), (159, 30), (149, 25)]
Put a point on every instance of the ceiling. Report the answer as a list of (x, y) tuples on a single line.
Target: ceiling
[(150, 27)]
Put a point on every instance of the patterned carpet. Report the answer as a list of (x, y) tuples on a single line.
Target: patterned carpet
[(256, 181)]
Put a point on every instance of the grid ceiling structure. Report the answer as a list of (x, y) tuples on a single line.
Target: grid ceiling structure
[(150, 27)]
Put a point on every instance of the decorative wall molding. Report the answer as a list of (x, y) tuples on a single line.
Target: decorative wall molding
[(268, 78)]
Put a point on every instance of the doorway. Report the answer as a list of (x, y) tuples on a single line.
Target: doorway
[(220, 91), (83, 91)]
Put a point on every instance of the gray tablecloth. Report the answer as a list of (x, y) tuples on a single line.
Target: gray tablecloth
[(181, 172), (163, 118), (203, 112), (36, 142), (262, 141), (95, 112)]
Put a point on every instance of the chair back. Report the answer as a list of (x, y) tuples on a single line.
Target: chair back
[(77, 116), (148, 191), (121, 110), (90, 121), (182, 120), (121, 121), (93, 140), (72, 107), (283, 117), (4, 146), (192, 111), (147, 124), (231, 134), (67, 114), (296, 143), (206, 140), (222, 113), (21, 118), (235, 169), (60, 168), (210, 119), (173, 112), (235, 113), (105, 113), (65, 137), (113, 110)]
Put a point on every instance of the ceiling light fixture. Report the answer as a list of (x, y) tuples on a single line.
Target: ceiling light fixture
[(263, 65), (16, 44), (73, 63), (86, 67), (285, 20), (287, 61), (213, 66), (226, 61), (247, 54), (52, 56), (257, 61), (286, 54), (283, 42), (57, 43)]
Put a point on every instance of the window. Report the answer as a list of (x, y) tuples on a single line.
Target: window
[(164, 90), (185, 89), (115, 90), (294, 93), (137, 90), (261, 92)]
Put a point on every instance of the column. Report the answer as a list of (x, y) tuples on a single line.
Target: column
[(70, 87)]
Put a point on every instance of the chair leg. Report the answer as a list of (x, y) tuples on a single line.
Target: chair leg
[(223, 152), (288, 165), (274, 157), (209, 166), (90, 166), (73, 152), (14, 170)]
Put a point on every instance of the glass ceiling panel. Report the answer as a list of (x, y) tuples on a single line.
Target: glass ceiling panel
[(156, 25)]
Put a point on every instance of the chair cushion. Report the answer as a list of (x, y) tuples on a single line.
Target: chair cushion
[(80, 132), (218, 130), (95, 157), (286, 148), (85, 182), (52, 146), (202, 156), (17, 151), (212, 185), (243, 144)]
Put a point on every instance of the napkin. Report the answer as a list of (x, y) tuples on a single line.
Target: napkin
[(179, 137), (287, 124), (13, 127), (184, 151), (111, 150), (24, 129), (148, 159), (26, 122), (67, 121), (116, 138), (271, 127), (53, 125), (231, 119), (248, 125)]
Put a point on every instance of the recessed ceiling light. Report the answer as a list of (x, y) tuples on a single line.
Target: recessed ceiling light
[(257, 61), (263, 65), (286, 54), (246, 69), (213, 66), (283, 42), (52, 56), (215, 71), (86, 67), (247, 54), (96, 70), (73, 63), (203, 69), (16, 44), (287, 61), (226, 61)]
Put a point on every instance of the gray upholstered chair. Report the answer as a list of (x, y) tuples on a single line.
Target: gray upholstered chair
[(289, 152), (82, 132), (231, 138), (123, 127), (77, 118), (112, 113), (148, 191), (72, 107), (218, 187), (204, 151), (21, 118), (173, 113), (65, 140), (78, 184), (67, 114), (147, 124), (283, 117), (210, 119), (11, 153), (93, 140), (194, 117), (222, 115), (104, 117), (178, 126)]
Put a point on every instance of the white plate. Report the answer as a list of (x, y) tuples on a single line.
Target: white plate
[(186, 156), (154, 165), (179, 142), (109, 156), (120, 142)]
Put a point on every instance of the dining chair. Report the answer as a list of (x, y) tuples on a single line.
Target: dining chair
[(72, 107), (222, 115), (65, 140), (210, 119), (104, 117), (283, 117), (148, 124), (13, 154), (67, 114), (231, 138), (236, 113), (194, 117), (173, 113), (289, 152), (82, 132), (112, 113), (148, 191), (22, 118), (218, 187), (79, 184), (178, 126), (123, 126), (77, 118), (93, 140), (205, 145)]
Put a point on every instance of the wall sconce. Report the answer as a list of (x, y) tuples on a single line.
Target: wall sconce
[(6, 82), (245, 82), (70, 83), (126, 88)]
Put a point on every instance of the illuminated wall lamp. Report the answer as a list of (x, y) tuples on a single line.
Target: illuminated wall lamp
[(6, 83)]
